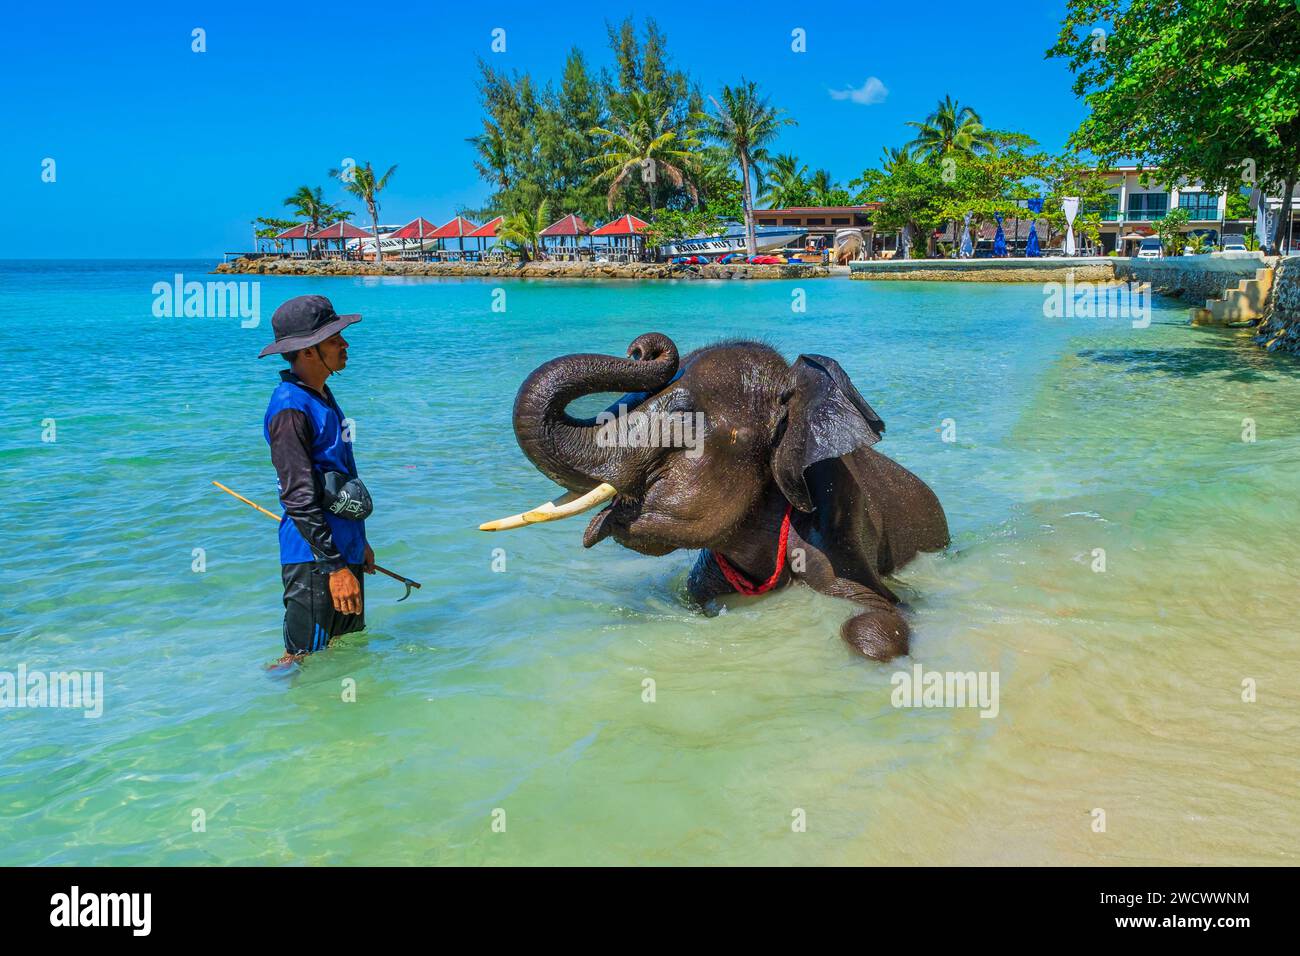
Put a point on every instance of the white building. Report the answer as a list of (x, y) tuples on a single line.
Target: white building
[(1133, 209)]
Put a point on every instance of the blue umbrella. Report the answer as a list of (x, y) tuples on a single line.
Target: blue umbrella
[(1031, 244), (999, 239)]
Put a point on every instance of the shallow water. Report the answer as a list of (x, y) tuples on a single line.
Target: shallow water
[(521, 691)]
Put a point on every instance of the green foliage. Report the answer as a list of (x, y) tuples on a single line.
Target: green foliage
[(746, 124), (950, 129), (1236, 207), (574, 142), (361, 182), (309, 204), (1198, 244), (640, 151), (1208, 90), (521, 229), (913, 198), (681, 224), (1170, 231), (786, 183)]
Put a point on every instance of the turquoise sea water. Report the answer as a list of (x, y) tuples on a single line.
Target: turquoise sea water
[(516, 696)]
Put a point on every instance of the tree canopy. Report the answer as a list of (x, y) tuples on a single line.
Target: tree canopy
[(1208, 90)]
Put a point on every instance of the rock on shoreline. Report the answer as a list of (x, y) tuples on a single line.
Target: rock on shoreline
[(514, 270)]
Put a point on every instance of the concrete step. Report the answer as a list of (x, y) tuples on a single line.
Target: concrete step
[(1240, 306)]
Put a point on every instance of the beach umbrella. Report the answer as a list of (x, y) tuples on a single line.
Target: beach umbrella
[(1031, 244), (999, 238), (1069, 206), (967, 248), (487, 231), (458, 228)]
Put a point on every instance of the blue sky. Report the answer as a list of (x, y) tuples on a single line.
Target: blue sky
[(164, 152)]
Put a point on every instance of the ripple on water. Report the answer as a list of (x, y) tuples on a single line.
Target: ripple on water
[(575, 691)]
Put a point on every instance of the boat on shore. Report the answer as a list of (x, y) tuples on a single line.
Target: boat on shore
[(732, 239)]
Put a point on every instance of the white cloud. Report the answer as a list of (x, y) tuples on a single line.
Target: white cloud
[(872, 91)]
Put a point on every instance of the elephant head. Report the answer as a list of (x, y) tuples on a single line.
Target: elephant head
[(710, 451)]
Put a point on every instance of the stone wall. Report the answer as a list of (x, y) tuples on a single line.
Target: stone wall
[(514, 270), (1280, 332), (1195, 278), (1054, 269)]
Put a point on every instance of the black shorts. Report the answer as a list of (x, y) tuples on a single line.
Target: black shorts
[(310, 621)]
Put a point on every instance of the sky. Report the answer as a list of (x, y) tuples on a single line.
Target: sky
[(160, 151)]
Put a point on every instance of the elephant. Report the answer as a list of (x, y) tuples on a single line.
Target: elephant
[(781, 484)]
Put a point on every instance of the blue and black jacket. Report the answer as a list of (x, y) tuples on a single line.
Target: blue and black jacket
[(305, 431)]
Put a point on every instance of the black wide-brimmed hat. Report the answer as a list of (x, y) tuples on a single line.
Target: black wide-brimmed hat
[(304, 321)]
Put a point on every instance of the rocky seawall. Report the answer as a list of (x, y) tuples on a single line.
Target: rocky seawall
[(1195, 278), (515, 270), (1078, 269), (1280, 330)]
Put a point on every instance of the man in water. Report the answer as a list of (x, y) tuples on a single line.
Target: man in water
[(323, 548)]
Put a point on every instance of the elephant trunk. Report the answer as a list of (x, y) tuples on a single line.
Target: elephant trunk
[(566, 449)]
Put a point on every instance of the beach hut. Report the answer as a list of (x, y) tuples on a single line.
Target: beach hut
[(485, 232), (296, 232), (419, 229), (457, 229), (342, 232), (624, 235), (570, 228)]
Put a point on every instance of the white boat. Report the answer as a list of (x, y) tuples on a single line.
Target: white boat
[(732, 239), (391, 247)]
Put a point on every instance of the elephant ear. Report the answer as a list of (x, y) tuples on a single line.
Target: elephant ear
[(822, 417)]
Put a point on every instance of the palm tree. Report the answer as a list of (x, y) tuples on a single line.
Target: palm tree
[(786, 183), (951, 128), (523, 229), (822, 187), (641, 139), (891, 158), (360, 181), (310, 204), (747, 124)]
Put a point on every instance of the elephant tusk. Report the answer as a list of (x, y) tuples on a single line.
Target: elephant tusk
[(564, 506)]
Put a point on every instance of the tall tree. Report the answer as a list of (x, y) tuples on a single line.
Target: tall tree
[(787, 183), (951, 128), (360, 181), (522, 229), (309, 204), (640, 147), (1207, 90), (747, 124)]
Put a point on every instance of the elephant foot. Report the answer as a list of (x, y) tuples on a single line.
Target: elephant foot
[(877, 635)]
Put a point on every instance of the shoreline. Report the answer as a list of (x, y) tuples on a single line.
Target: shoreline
[(515, 270)]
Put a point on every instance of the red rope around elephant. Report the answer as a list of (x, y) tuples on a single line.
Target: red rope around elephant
[(738, 580)]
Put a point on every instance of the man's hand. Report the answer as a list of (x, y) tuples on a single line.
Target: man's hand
[(368, 562), (345, 591)]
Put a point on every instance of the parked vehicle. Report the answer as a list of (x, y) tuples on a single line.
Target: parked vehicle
[(1234, 244), (1149, 248)]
